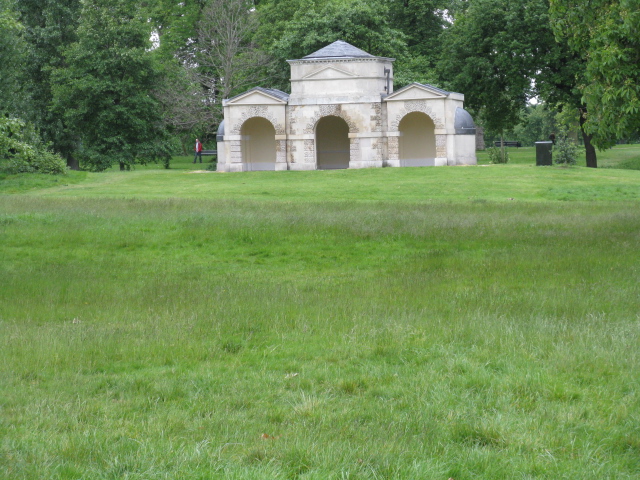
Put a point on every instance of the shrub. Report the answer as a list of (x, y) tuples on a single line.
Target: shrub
[(498, 155), (23, 152), (565, 151), (49, 162)]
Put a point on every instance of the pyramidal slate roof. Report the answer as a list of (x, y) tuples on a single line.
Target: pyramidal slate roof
[(340, 49), (275, 92), (425, 85), (270, 91)]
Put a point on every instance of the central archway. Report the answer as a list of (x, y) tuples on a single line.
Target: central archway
[(332, 143), (417, 143), (258, 144)]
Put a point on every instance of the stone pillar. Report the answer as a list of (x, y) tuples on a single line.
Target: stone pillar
[(393, 149), (281, 153), (441, 151), (234, 161)]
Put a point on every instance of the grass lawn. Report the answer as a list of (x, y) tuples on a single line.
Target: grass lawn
[(416, 323), (620, 156)]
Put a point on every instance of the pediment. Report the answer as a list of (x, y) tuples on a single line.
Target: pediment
[(417, 91), (256, 97), (328, 73)]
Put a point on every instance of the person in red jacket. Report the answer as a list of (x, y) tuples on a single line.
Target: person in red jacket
[(198, 151)]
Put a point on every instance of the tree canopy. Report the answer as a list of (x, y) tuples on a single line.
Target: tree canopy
[(88, 77), (492, 52), (363, 23), (605, 34), (105, 87), (11, 55)]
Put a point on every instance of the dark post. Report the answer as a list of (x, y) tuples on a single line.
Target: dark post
[(543, 153)]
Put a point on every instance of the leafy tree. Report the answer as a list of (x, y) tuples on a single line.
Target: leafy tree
[(225, 56), (363, 23), (186, 109), (605, 34), (106, 87), (558, 83), (500, 53), (174, 22), (218, 59), (492, 52), (49, 28), (423, 23), (11, 56), (536, 124), (181, 97)]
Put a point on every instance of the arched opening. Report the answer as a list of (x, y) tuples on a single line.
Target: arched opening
[(258, 144), (332, 143), (417, 143)]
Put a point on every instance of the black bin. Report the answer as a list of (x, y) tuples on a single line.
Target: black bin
[(544, 153)]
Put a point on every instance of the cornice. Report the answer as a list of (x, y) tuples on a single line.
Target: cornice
[(340, 59)]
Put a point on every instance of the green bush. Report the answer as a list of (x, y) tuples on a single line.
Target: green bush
[(565, 151), (48, 162), (17, 165), (498, 155), (22, 152)]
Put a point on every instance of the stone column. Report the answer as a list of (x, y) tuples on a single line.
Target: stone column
[(281, 153), (234, 162), (441, 150), (393, 148)]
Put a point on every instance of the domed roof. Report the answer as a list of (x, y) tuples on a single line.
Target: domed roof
[(463, 123)]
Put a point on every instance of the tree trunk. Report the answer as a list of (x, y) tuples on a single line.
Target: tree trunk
[(184, 147), (73, 163), (590, 150), (502, 145)]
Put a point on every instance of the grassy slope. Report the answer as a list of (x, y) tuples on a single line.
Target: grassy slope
[(395, 323)]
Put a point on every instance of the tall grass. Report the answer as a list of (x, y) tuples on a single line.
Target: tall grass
[(328, 338)]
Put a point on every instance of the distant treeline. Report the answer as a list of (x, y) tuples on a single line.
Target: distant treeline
[(108, 82)]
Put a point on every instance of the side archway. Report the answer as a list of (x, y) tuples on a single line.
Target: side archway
[(332, 143), (258, 145), (417, 141)]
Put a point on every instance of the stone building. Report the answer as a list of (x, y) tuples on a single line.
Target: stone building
[(343, 113)]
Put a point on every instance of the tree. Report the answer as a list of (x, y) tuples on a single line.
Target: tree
[(537, 123), (106, 87), (218, 60), (174, 22), (314, 24), (186, 109), (557, 83), (49, 28), (500, 54), (226, 58), (11, 57), (605, 35), (492, 52), (423, 23)]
